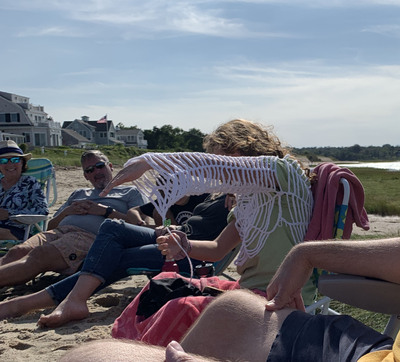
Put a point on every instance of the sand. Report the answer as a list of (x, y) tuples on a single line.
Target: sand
[(22, 340)]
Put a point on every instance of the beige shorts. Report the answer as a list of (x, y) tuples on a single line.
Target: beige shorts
[(72, 242)]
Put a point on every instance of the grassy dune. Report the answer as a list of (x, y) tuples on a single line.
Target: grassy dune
[(382, 190)]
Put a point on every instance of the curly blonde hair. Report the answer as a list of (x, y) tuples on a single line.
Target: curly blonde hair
[(246, 138)]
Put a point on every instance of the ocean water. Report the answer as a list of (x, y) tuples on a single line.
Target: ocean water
[(393, 166)]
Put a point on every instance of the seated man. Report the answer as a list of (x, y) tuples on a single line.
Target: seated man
[(240, 325), (73, 228)]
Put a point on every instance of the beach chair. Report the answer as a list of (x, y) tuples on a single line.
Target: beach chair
[(371, 294), (338, 227), (43, 170)]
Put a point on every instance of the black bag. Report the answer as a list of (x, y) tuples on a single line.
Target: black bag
[(161, 291)]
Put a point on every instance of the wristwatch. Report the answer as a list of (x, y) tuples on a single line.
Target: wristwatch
[(108, 212)]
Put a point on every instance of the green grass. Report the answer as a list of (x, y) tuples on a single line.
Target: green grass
[(374, 320), (382, 190), (64, 156)]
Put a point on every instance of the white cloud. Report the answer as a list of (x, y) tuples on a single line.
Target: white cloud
[(54, 31), (386, 30)]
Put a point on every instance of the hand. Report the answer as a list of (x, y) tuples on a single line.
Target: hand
[(87, 207), (161, 230), (284, 290), (137, 167), (171, 245), (80, 207)]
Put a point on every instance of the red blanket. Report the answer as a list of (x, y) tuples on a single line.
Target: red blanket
[(327, 193), (171, 321)]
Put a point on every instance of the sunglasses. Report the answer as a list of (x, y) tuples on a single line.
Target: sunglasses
[(4, 160), (98, 165)]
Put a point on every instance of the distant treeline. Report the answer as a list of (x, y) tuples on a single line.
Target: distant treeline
[(174, 139), (169, 138), (353, 153)]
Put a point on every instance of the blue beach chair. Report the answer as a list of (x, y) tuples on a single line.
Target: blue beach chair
[(42, 169)]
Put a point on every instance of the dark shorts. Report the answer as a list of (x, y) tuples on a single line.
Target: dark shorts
[(305, 337)]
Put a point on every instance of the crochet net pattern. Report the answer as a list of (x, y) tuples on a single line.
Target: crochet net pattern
[(254, 180)]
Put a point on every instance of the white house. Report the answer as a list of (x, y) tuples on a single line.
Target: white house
[(132, 137), (21, 120)]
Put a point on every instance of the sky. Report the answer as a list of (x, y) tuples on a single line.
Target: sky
[(322, 73)]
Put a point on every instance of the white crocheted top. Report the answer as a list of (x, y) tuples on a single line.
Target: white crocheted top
[(259, 183)]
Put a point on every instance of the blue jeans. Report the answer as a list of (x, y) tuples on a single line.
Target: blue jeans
[(118, 246)]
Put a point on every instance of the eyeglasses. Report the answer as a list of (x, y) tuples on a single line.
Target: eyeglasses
[(4, 160), (98, 165)]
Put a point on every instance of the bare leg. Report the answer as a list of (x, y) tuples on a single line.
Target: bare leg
[(117, 350), (74, 306), (6, 234), (15, 253), (40, 259), (235, 327), (21, 305)]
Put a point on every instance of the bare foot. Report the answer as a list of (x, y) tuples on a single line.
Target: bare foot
[(175, 353), (67, 311)]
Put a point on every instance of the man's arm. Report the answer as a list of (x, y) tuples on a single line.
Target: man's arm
[(87, 207), (371, 258), (75, 208), (136, 217)]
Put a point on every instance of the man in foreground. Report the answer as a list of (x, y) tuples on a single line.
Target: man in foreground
[(73, 228), (240, 325)]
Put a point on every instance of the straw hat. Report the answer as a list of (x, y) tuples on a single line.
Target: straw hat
[(10, 149)]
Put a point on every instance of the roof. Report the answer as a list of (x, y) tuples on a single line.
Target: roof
[(74, 135), (133, 131)]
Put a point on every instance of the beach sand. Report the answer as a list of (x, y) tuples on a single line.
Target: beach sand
[(22, 340)]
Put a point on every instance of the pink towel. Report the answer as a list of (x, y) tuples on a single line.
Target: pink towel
[(172, 320), (327, 194)]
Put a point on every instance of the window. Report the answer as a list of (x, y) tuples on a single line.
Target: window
[(9, 117), (27, 137), (40, 139)]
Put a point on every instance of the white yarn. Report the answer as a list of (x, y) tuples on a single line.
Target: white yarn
[(254, 180)]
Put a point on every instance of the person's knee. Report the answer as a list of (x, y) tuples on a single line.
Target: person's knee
[(236, 302), (109, 225), (15, 253)]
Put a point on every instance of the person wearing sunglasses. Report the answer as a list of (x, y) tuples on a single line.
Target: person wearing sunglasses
[(74, 226), (19, 194)]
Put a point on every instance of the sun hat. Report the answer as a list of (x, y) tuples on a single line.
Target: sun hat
[(10, 149)]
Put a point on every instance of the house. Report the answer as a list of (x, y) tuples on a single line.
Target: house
[(91, 131), (132, 137), (73, 138), (26, 123)]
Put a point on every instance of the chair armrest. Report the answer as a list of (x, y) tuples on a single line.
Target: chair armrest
[(29, 219), (366, 293)]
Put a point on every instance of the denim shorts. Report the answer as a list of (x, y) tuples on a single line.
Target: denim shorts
[(305, 337)]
